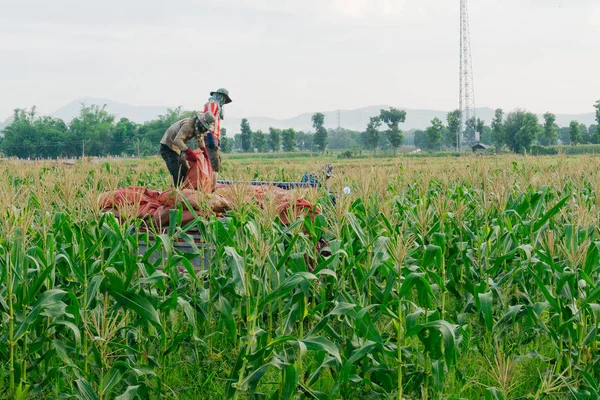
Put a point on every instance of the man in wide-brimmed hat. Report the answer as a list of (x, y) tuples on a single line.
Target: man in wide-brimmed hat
[(173, 148), (215, 104)]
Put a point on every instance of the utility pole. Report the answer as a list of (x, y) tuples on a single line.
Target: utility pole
[(83, 142), (138, 147)]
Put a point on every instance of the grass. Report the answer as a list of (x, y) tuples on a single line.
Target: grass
[(449, 277)]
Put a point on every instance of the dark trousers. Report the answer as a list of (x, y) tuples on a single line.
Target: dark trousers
[(177, 170)]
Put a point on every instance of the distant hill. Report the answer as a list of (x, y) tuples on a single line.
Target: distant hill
[(139, 114), (350, 119)]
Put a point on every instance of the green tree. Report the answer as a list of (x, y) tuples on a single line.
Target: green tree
[(341, 139), (419, 140), (274, 139), (433, 134), (564, 135), (246, 135), (371, 134), (585, 136), (289, 139), (594, 133), (29, 135), (226, 143), (521, 129), (94, 127), (451, 138), (259, 140), (304, 141), (125, 138), (320, 138), (470, 130), (549, 135), (498, 133), (486, 135), (574, 133), (154, 130), (393, 118), (479, 126)]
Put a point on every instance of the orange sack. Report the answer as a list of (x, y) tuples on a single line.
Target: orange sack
[(142, 203), (200, 174)]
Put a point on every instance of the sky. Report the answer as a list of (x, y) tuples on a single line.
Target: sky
[(280, 58)]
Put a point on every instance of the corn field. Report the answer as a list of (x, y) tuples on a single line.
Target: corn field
[(445, 278)]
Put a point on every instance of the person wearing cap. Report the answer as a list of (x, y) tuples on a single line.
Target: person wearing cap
[(214, 106), (173, 148)]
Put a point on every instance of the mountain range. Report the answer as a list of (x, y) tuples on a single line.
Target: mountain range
[(356, 119)]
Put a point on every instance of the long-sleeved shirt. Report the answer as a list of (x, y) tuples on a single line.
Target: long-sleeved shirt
[(215, 109), (178, 134)]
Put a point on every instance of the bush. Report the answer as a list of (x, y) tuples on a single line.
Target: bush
[(570, 150)]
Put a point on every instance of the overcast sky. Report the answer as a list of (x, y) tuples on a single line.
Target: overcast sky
[(280, 58)]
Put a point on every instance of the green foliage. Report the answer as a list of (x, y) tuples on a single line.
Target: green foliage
[(246, 135), (304, 141), (340, 139), (575, 134), (498, 132), (451, 138), (419, 139), (259, 141), (274, 139), (29, 135), (479, 127), (288, 137), (521, 129), (470, 130), (393, 118), (586, 138), (320, 137), (564, 135), (153, 131), (594, 134), (549, 135), (480, 283), (433, 135), (370, 137), (226, 143), (568, 150)]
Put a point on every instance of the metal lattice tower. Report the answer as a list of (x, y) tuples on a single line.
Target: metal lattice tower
[(467, 90)]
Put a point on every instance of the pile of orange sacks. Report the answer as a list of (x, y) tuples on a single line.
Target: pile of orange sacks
[(143, 203)]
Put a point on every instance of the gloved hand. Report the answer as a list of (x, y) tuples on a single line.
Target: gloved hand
[(182, 157), (190, 155)]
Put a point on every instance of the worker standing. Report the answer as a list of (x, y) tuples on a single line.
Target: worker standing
[(215, 104), (173, 148)]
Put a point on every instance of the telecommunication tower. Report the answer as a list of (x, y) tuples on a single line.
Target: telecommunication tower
[(467, 90)]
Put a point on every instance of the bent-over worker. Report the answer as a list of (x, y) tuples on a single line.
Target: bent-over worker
[(173, 148), (215, 104)]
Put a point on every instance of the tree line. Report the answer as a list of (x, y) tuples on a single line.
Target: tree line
[(518, 131), (95, 132)]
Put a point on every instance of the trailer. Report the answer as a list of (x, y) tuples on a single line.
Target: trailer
[(194, 249)]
